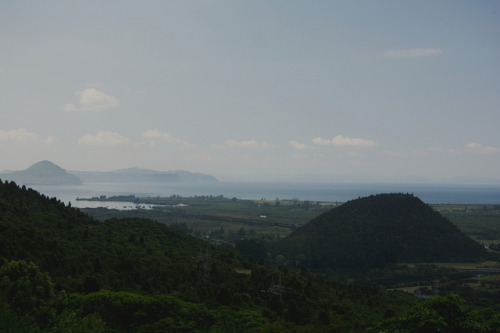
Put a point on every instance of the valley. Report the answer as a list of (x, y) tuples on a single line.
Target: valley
[(252, 226)]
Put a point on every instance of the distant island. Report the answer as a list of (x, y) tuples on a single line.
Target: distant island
[(133, 175), (48, 173), (42, 173)]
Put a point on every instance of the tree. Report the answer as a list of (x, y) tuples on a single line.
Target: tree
[(276, 304), (445, 315), (293, 312), (90, 285), (27, 290)]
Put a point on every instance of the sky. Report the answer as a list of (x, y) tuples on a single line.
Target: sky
[(257, 90)]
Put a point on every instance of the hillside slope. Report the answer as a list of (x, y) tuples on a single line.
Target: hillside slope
[(375, 231), (130, 254)]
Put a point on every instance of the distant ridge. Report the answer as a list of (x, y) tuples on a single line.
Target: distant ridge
[(42, 173), (375, 231), (48, 173), (131, 175)]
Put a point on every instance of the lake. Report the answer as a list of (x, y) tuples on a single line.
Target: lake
[(328, 192)]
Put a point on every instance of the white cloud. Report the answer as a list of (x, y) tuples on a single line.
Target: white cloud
[(391, 153), (412, 53), (340, 140), (21, 135), (250, 144), (71, 108), (104, 138), (352, 154), (153, 137), (300, 156), (474, 147), (92, 99), (299, 146), (426, 151)]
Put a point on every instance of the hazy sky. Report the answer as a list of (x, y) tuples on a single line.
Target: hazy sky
[(253, 90)]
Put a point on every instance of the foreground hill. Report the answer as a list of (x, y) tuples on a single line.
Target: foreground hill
[(43, 173), (137, 275), (378, 230), (131, 254)]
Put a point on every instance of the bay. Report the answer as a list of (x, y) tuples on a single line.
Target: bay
[(326, 192)]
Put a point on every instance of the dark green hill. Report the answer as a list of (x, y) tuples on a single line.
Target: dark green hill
[(378, 230), (137, 275), (43, 173), (121, 254)]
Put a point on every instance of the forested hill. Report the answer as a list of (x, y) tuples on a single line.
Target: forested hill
[(376, 230), (128, 254), (137, 275)]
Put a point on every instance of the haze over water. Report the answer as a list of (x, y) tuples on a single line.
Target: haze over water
[(328, 192)]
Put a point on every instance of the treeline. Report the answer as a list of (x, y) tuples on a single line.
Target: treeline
[(30, 303)]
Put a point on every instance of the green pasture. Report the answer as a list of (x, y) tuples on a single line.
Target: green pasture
[(480, 222), (281, 216)]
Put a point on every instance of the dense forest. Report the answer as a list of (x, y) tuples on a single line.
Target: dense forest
[(64, 271), (376, 231)]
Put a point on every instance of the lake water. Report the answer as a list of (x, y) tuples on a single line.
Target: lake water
[(329, 192)]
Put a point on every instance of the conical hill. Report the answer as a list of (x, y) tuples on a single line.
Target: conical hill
[(43, 173), (378, 230)]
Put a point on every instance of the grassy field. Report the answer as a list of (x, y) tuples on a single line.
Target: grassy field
[(207, 213), (480, 222), (211, 213)]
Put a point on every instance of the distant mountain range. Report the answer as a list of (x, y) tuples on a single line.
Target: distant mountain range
[(48, 173), (142, 175)]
